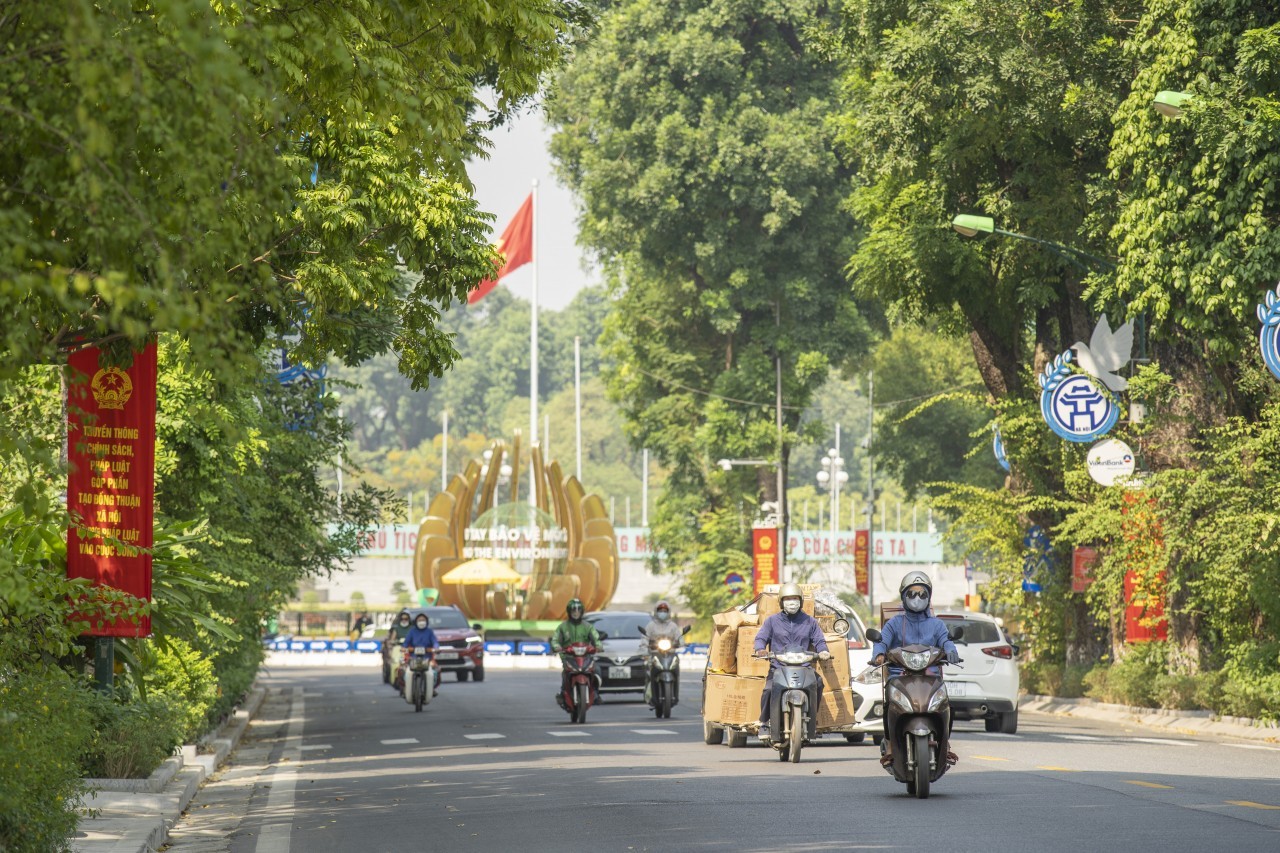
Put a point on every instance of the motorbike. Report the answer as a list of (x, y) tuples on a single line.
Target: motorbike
[(582, 687), (793, 711), (421, 677), (917, 715), (662, 675), (390, 654)]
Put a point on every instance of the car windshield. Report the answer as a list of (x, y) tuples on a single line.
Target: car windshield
[(620, 626), (447, 618), (975, 630)]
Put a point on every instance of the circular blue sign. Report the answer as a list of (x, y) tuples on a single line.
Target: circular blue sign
[(1269, 341), (1077, 410)]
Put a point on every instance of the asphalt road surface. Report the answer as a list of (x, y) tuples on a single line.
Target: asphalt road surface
[(338, 762)]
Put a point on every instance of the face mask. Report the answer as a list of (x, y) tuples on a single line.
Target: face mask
[(662, 616), (791, 607), (916, 602), (404, 621), (422, 623)]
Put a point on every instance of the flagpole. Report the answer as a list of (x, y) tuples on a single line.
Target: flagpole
[(533, 348)]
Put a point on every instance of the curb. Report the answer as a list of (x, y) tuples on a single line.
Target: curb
[(135, 815), (1171, 720)]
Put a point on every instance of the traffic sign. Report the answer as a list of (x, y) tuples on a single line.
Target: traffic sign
[(368, 645), (498, 647), (535, 648)]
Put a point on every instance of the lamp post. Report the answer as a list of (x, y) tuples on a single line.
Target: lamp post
[(1169, 103), (970, 225), (772, 509), (832, 477)]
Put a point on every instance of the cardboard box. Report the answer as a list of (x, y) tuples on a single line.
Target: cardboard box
[(748, 664), (751, 619), (732, 699), (728, 619), (837, 707), (889, 609), (723, 654), (836, 672)]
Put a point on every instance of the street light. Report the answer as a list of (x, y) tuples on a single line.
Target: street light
[(1169, 103), (970, 225), (729, 464), (832, 477)]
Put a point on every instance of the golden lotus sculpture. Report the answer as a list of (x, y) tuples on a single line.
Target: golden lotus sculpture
[(562, 545)]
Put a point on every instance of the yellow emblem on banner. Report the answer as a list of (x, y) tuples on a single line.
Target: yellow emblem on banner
[(111, 388)]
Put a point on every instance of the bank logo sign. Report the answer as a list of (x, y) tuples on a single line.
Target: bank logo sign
[(1110, 462)]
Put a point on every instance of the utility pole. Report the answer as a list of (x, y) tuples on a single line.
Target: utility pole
[(871, 490)]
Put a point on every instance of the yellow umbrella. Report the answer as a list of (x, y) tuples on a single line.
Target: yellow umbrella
[(482, 571)]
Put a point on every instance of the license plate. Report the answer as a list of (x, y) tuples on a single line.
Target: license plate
[(617, 672), (957, 688), (444, 655)]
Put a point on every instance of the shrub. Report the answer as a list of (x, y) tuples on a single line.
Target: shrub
[(131, 738), (43, 730), (185, 677), (1131, 681)]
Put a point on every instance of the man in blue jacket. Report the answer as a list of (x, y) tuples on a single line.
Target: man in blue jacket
[(792, 629), (914, 626)]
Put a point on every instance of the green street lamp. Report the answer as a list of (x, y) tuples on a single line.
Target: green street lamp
[(1170, 104), (970, 225)]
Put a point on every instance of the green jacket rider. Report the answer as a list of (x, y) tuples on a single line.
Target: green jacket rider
[(572, 630)]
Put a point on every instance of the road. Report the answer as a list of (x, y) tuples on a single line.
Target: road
[(337, 762)]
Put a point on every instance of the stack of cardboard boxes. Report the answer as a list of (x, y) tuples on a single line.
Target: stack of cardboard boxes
[(736, 678)]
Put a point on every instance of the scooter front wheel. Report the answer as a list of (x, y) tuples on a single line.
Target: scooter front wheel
[(419, 691), (582, 699), (796, 735), (664, 703), (921, 773)]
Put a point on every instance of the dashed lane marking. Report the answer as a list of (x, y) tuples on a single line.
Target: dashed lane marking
[(491, 736), (400, 741), (1058, 769), (309, 747), (1148, 784), (988, 758), (654, 732), (996, 734), (1252, 805), (569, 734), (1253, 746), (1082, 737)]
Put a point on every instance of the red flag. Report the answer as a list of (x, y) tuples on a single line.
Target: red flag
[(516, 246)]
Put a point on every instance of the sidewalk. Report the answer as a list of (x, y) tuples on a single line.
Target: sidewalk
[(1179, 722), (135, 815)]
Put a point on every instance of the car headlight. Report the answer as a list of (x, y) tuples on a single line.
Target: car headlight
[(916, 660), (474, 640), (936, 700), (899, 698), (870, 675)]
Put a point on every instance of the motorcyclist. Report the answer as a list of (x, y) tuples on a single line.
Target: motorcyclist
[(661, 626), (914, 625), (789, 629), (395, 639), (571, 631), (421, 635)]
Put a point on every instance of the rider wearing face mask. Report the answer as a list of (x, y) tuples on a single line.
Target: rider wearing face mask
[(792, 629), (421, 636), (661, 625), (915, 625)]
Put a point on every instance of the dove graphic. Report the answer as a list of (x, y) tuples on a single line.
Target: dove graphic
[(1106, 353)]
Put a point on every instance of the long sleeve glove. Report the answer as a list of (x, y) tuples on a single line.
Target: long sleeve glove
[(953, 656)]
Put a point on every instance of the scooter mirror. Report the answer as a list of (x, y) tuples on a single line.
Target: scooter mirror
[(685, 629), (640, 628), (955, 632), (477, 626), (603, 635), (874, 635), (841, 626)]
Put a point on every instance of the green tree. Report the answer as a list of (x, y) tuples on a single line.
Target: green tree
[(694, 134)]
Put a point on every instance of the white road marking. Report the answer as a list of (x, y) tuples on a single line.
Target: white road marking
[(654, 732), (1080, 737), (399, 741), (997, 734), (1253, 746), (310, 746), (278, 837), (1161, 741), (569, 734), (484, 737)]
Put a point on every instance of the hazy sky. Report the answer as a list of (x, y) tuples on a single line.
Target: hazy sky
[(518, 157)]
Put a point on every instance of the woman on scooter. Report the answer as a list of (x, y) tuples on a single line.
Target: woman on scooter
[(915, 625), (790, 629), (421, 635)]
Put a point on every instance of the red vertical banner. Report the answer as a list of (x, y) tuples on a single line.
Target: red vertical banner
[(862, 559), (111, 442), (1144, 618), (764, 556), (1083, 559)]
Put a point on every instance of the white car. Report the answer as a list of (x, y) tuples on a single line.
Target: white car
[(983, 687)]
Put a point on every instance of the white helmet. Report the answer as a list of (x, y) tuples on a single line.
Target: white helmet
[(915, 603)]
